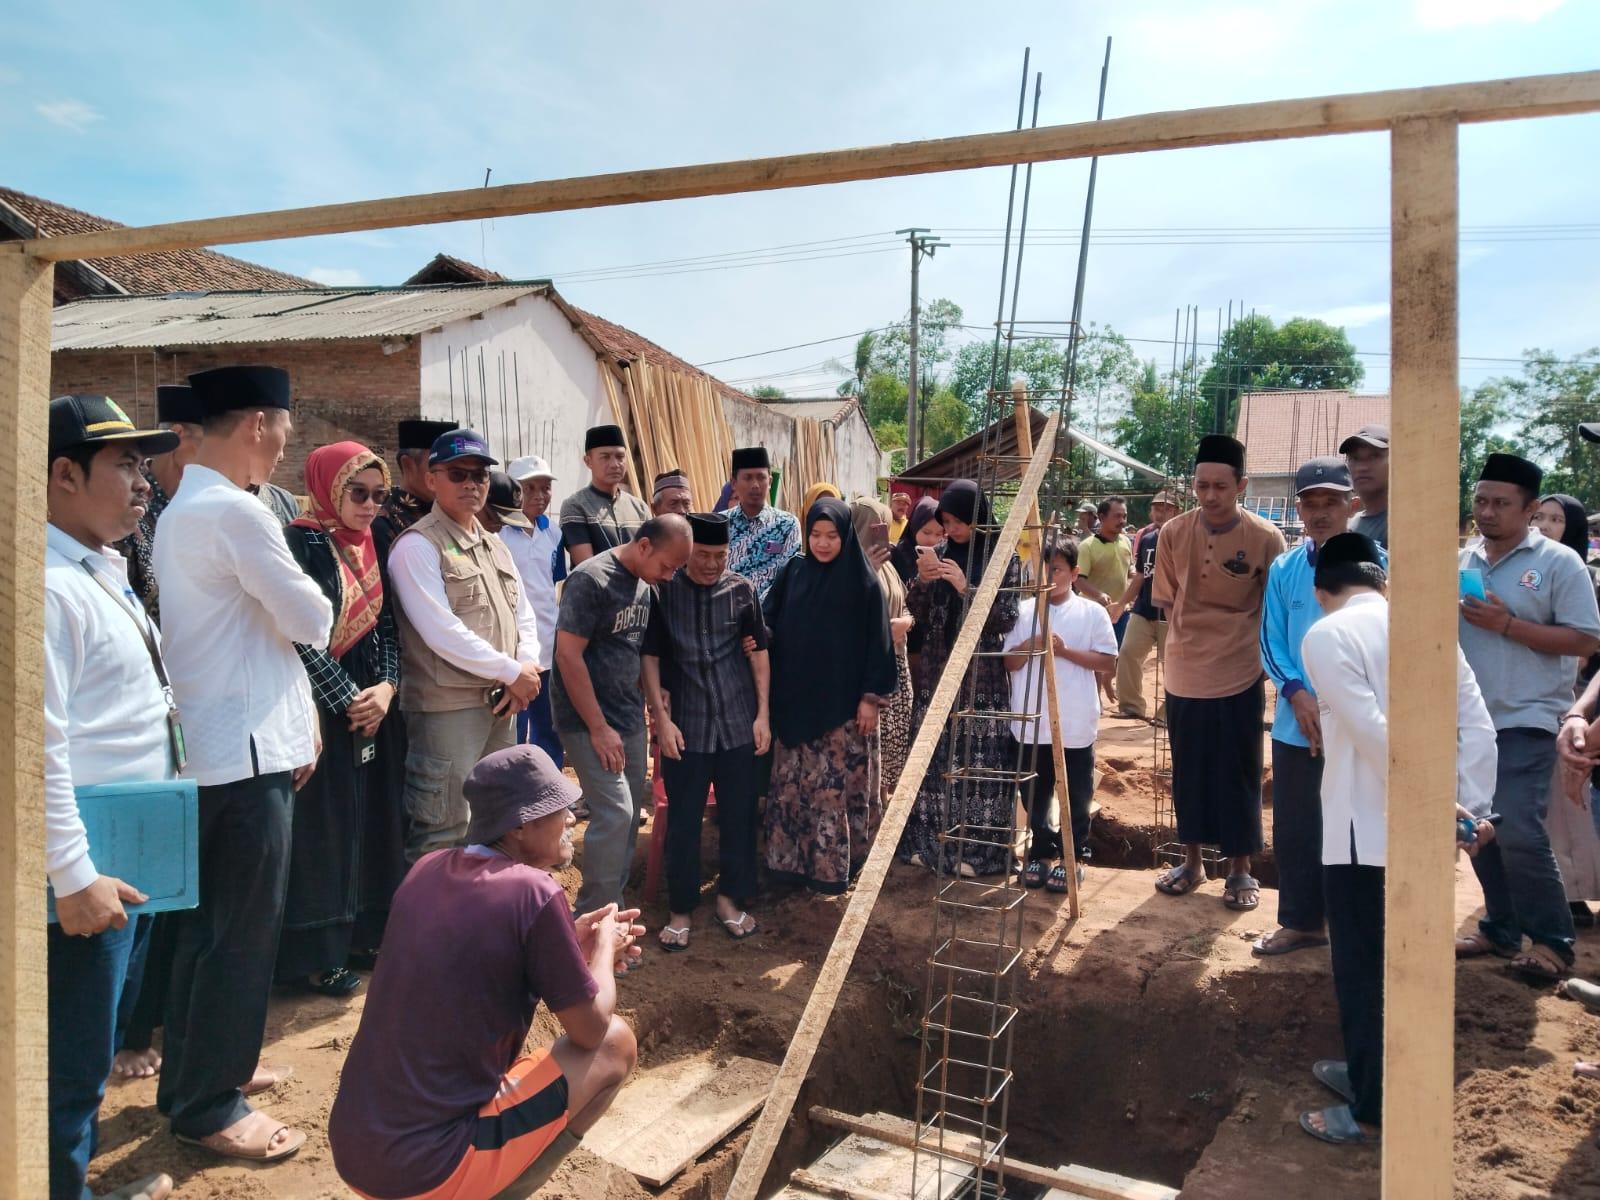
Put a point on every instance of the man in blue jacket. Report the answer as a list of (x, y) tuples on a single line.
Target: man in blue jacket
[(1323, 494)]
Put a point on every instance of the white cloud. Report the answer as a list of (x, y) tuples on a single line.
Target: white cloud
[(336, 276), (1354, 316), (1456, 14), (69, 114)]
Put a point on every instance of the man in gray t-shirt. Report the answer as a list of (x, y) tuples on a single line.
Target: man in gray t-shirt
[(1523, 640), (598, 706), (1366, 453)]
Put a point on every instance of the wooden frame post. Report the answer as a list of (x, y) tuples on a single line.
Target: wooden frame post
[(1419, 965), (25, 294)]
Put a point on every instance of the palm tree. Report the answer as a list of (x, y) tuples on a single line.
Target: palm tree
[(866, 348)]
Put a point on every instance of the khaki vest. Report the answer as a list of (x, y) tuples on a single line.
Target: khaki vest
[(481, 584)]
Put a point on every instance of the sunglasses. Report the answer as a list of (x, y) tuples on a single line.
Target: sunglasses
[(361, 493), (460, 475)]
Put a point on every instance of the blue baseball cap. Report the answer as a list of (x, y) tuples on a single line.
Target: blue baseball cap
[(460, 443)]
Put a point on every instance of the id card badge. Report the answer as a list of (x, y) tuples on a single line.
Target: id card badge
[(180, 752)]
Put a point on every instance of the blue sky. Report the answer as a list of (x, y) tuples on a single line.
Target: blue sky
[(159, 111)]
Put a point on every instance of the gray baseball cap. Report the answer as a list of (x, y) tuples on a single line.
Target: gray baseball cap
[(1329, 473)]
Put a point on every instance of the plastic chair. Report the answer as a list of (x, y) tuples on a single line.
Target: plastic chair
[(658, 825)]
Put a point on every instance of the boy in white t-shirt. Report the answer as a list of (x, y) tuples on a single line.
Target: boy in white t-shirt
[(1084, 646)]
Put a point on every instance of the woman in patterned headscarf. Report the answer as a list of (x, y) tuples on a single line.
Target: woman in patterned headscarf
[(347, 857), (894, 719)]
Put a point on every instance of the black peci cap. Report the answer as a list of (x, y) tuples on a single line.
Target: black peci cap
[(709, 529), (175, 402), (603, 435), (231, 389), (1220, 448), (420, 435), (1511, 468)]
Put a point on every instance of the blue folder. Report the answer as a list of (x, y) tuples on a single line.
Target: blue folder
[(146, 834)]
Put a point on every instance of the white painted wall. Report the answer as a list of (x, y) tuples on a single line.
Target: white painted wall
[(856, 455), (544, 358)]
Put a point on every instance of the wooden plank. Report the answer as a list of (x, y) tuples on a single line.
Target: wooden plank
[(1491, 100), (1419, 966), (25, 292), (1022, 414), (1083, 1181), (830, 979), (861, 1167), (667, 1117)]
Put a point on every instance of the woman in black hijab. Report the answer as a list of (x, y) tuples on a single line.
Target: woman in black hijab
[(904, 555), (936, 598), (1562, 519), (832, 666)]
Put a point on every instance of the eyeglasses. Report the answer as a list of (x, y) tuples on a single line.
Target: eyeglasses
[(361, 493), (459, 475)]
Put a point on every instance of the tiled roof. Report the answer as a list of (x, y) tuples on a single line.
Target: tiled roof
[(626, 345), (1281, 430), (447, 268), (149, 274)]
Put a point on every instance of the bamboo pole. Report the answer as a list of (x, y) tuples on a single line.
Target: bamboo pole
[(1058, 755), (847, 939), (1362, 112), (1419, 963), (25, 294)]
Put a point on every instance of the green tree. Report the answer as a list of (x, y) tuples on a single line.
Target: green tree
[(892, 353), (1155, 428), (866, 348), (766, 391), (1107, 371), (1301, 353), (1547, 402), (1484, 415)]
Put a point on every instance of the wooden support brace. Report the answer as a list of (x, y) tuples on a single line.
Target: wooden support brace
[(1080, 1181), (1419, 962), (1058, 754), (1364, 112), (25, 293), (830, 979)]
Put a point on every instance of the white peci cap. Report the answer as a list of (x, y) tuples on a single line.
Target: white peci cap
[(528, 467)]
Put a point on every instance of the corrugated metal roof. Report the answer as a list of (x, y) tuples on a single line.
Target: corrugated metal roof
[(826, 409), (255, 318)]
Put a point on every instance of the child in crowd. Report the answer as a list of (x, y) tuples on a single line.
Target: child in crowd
[(1081, 645)]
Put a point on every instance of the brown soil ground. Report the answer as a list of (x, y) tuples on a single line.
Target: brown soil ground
[(1151, 1043)]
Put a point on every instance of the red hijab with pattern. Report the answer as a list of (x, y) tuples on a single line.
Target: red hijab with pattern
[(328, 470)]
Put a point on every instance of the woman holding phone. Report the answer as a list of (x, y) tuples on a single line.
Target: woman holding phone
[(347, 855), (894, 719), (937, 599)]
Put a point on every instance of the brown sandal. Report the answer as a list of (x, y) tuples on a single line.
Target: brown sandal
[(1476, 945), (1539, 964), (257, 1149)]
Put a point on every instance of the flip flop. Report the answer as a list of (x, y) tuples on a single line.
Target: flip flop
[(270, 1077), (1334, 1075), (1179, 881), (1034, 876), (1536, 968), (1341, 1130), (258, 1152), (680, 938), (1241, 883), (1057, 882), (147, 1188), (1478, 944), (1271, 944), (735, 928)]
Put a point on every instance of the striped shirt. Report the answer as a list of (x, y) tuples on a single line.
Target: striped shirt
[(698, 634)]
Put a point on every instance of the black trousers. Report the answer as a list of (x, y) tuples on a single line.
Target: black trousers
[(1046, 842), (222, 966), (1297, 835), (1354, 898), (734, 774)]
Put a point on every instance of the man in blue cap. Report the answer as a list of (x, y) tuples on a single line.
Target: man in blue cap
[(469, 641)]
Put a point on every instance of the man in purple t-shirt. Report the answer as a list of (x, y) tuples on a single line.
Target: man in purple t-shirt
[(438, 1100)]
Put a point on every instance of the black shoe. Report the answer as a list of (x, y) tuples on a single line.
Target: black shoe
[(338, 983)]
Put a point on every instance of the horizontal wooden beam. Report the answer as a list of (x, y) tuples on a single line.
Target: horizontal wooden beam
[(1491, 100)]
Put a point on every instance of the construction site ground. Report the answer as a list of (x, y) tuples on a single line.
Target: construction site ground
[(1150, 1043)]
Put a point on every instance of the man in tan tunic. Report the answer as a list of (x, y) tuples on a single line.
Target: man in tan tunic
[(469, 642), (1211, 577)]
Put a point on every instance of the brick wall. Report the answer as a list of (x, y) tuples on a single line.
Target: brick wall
[(341, 389)]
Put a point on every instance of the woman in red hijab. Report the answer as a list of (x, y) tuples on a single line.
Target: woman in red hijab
[(347, 855)]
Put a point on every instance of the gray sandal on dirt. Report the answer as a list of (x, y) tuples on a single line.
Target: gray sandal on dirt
[(1334, 1075), (1179, 881), (1341, 1130), (1233, 893)]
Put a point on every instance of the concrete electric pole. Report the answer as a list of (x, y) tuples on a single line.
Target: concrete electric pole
[(922, 245)]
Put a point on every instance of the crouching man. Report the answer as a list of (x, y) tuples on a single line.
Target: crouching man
[(438, 1098)]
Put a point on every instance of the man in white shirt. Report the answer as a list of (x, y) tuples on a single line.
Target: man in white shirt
[(469, 642), (105, 721), (542, 564), (233, 604), (1083, 646), (1346, 660)]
